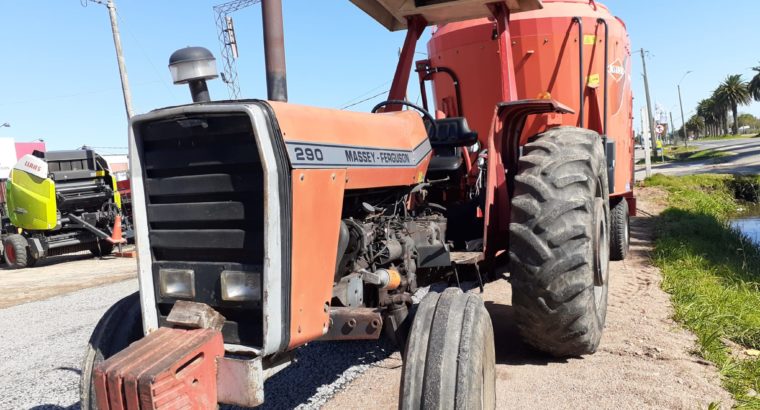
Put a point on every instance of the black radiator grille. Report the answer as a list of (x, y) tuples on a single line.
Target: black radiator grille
[(205, 191), (204, 186)]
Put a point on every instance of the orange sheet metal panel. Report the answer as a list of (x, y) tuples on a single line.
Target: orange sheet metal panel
[(545, 45), (317, 208), (401, 133), (168, 369)]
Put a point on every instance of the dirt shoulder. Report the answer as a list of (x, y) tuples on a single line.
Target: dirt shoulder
[(59, 275), (645, 359)]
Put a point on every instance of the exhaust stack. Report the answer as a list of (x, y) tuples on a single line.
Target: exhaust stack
[(274, 50)]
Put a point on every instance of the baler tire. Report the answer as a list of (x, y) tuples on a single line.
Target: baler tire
[(16, 251), (620, 233), (105, 249), (119, 327), (450, 358), (559, 242), (31, 261)]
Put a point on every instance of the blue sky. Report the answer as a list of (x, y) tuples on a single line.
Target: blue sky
[(59, 79)]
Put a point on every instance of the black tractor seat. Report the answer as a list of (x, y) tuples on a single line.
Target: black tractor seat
[(450, 136), (453, 132)]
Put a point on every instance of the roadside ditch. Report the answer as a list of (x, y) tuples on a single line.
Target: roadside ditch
[(711, 268)]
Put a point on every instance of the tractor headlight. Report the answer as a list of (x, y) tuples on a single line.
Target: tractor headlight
[(177, 283), (239, 286)]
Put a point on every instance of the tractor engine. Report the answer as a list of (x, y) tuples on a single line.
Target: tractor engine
[(381, 249)]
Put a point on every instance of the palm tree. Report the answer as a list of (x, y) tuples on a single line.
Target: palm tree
[(720, 108), (754, 85), (706, 110), (734, 92)]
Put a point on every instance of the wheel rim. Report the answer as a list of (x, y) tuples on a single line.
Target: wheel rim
[(601, 253), (10, 253)]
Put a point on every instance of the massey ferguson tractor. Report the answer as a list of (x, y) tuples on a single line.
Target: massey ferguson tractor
[(262, 226)]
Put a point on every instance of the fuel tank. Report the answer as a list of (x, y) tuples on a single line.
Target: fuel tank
[(574, 51)]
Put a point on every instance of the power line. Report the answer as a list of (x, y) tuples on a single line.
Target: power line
[(364, 100), (145, 54), (63, 96), (119, 53), (374, 89)]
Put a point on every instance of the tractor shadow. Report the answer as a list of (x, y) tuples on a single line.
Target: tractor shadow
[(321, 368), (510, 349)]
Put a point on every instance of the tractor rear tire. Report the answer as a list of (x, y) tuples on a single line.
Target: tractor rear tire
[(16, 252), (119, 327), (449, 359), (559, 242), (620, 233)]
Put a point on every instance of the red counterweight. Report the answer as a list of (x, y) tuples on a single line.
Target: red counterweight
[(168, 369)]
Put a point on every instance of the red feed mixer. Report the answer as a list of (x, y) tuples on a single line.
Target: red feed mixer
[(263, 225), (470, 75)]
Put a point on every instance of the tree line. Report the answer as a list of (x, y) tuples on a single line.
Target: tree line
[(713, 112)]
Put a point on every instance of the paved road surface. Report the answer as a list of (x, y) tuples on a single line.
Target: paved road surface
[(746, 160)]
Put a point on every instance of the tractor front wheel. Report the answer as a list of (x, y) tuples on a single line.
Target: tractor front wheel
[(449, 359), (119, 327), (559, 242), (16, 252), (620, 235)]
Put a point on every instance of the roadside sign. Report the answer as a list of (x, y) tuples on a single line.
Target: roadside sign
[(660, 129)]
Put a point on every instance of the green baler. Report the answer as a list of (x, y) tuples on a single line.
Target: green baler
[(60, 202)]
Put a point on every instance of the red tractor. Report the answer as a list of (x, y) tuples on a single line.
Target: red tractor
[(264, 225)]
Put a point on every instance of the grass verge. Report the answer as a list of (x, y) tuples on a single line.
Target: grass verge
[(705, 154), (713, 275)]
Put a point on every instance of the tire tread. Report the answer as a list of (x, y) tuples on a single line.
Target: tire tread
[(550, 241)]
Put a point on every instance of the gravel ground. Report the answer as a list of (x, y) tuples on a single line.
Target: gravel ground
[(43, 343), (59, 275)]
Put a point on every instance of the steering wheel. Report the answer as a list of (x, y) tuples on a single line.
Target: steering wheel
[(429, 119)]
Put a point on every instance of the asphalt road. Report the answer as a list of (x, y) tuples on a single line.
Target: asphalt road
[(744, 159)]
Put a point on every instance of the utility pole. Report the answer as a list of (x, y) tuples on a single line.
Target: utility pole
[(673, 128), (653, 141), (120, 58), (683, 130), (683, 120)]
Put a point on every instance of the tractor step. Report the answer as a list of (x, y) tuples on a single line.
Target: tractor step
[(466, 258), (168, 369), (471, 259)]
